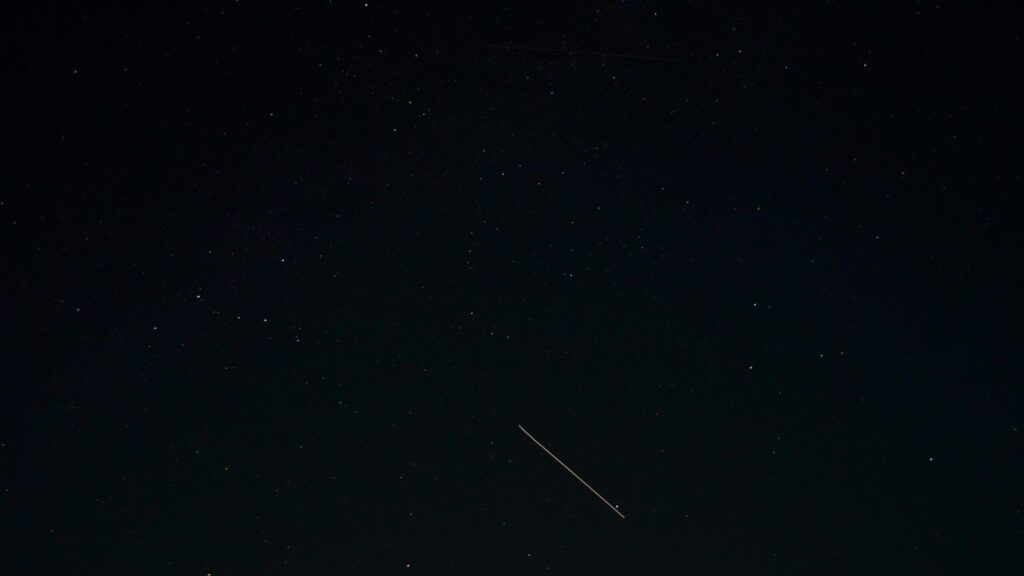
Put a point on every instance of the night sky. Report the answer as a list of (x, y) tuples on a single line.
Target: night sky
[(280, 284)]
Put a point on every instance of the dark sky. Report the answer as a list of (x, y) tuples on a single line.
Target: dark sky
[(279, 284)]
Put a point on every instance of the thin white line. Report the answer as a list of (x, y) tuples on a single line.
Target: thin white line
[(614, 509)]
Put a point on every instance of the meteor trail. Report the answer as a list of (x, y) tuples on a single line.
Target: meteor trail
[(582, 481)]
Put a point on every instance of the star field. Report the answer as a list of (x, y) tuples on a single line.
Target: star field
[(281, 282)]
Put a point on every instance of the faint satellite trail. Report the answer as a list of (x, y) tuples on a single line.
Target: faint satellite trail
[(577, 476), (515, 48)]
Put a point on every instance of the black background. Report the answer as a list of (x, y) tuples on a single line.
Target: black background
[(280, 284)]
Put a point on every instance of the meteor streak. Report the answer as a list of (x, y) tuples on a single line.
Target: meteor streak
[(582, 481)]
